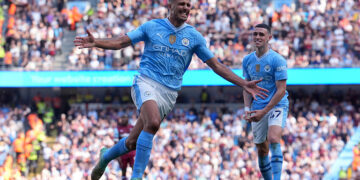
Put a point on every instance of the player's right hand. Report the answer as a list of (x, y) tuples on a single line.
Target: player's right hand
[(255, 90), (256, 115), (247, 115), (85, 42)]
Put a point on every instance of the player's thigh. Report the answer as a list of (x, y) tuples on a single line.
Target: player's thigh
[(166, 100), (149, 111), (145, 89), (260, 130), (277, 121), (144, 95)]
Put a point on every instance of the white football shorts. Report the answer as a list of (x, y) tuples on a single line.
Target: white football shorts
[(276, 116), (144, 89)]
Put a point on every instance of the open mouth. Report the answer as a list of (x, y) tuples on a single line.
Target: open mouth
[(184, 14)]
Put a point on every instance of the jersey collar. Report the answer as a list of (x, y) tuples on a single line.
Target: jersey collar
[(264, 55), (173, 27)]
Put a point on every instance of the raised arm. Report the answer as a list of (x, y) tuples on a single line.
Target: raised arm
[(105, 43), (226, 73)]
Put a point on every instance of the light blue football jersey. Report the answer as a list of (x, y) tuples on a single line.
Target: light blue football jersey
[(271, 67), (168, 50)]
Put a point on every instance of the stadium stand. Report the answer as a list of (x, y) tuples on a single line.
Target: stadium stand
[(48, 137), (299, 33), (307, 34), (202, 140), (33, 35), (348, 155)]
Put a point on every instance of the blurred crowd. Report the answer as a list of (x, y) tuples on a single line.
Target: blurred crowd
[(203, 142), (34, 34), (24, 130), (307, 33), (21, 137)]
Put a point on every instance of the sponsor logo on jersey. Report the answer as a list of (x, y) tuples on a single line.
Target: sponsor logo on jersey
[(158, 34), (166, 49), (281, 68)]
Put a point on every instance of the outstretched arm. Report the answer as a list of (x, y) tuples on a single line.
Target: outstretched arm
[(226, 73), (104, 43)]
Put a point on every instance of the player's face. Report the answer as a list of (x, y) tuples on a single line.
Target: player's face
[(180, 9), (261, 37)]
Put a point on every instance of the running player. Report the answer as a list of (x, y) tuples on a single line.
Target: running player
[(169, 46)]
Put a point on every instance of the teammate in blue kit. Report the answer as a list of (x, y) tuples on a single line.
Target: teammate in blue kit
[(267, 115), (169, 46)]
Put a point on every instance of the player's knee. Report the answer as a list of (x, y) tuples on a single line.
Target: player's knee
[(263, 150), (153, 125), (131, 144), (274, 139)]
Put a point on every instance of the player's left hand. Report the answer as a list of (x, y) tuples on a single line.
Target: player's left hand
[(85, 42), (252, 88), (256, 115)]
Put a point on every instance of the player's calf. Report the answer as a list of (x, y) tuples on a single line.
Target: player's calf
[(264, 161), (276, 160)]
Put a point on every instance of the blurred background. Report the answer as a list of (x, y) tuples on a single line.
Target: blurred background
[(60, 104)]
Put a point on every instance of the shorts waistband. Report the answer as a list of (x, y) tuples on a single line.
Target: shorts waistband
[(151, 81)]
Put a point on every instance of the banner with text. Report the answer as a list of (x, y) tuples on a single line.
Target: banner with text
[(329, 76)]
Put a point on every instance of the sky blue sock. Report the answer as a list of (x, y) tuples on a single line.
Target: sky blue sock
[(276, 160), (143, 150), (265, 167), (117, 150)]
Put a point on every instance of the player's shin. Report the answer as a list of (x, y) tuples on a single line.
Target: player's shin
[(115, 151), (143, 150), (265, 167), (276, 160)]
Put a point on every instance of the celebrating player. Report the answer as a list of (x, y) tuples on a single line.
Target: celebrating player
[(169, 46), (268, 115)]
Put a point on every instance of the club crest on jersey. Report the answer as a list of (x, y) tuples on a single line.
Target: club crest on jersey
[(147, 93), (172, 39), (185, 42), (267, 68)]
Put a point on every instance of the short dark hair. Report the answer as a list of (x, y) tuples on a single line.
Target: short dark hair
[(265, 26)]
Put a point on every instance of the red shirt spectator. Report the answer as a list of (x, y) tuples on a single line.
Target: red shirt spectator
[(124, 129)]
